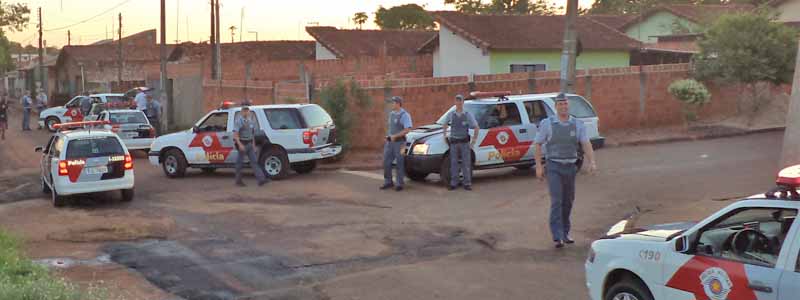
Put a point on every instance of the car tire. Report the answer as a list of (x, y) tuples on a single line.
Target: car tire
[(174, 164), (58, 200), (127, 195), (208, 170), (45, 187), (628, 289), (417, 176), (50, 122), (275, 163), (304, 167)]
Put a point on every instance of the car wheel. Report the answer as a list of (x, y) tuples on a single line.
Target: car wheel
[(208, 170), (45, 187), (628, 289), (275, 163), (58, 200), (174, 164), (127, 195), (304, 167), (50, 123), (417, 176)]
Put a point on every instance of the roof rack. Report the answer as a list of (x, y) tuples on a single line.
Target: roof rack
[(501, 95)]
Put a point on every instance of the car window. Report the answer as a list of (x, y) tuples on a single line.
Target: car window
[(75, 101), (489, 115), (128, 118), (215, 122), (283, 118), (537, 111), (752, 236), (116, 99), (579, 108), (252, 114), (94, 147), (315, 116), (797, 267)]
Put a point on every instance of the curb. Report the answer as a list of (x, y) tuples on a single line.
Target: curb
[(700, 137)]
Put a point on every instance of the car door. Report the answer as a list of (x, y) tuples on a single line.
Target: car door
[(789, 288), (44, 162), (506, 140), (715, 269), (536, 111), (211, 142)]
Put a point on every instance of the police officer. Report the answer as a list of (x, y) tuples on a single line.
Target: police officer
[(244, 131), (41, 102), (27, 104), (399, 125), (561, 137), (153, 113), (460, 121)]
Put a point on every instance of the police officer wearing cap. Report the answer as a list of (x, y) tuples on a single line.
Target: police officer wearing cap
[(460, 121), (244, 132), (399, 125), (561, 137)]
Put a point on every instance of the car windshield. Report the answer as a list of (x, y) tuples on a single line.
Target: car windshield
[(487, 114), (94, 147), (315, 116), (579, 108), (128, 118)]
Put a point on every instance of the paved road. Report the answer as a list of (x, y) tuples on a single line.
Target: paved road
[(333, 235)]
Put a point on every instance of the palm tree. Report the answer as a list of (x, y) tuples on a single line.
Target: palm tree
[(360, 18)]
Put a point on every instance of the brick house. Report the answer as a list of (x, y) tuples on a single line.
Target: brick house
[(491, 44), (675, 19), (332, 43)]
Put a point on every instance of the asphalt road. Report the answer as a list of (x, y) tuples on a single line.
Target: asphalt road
[(333, 235)]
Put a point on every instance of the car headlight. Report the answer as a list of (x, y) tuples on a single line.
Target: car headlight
[(420, 149)]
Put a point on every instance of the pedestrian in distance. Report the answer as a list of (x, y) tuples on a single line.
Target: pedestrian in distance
[(27, 104), (153, 113), (41, 103), (141, 100), (459, 122), (244, 131), (560, 138), (3, 117), (399, 125)]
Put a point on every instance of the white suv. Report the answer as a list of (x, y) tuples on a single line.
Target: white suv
[(72, 112), (80, 160), (292, 136)]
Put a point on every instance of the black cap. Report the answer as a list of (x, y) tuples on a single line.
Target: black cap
[(245, 107), (397, 99), (561, 97), (459, 97)]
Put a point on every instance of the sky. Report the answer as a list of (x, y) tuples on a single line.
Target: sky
[(189, 20)]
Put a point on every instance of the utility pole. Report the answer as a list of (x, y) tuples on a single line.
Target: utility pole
[(213, 41), (163, 57), (569, 52), (41, 51), (177, 21), (219, 41), (233, 32), (241, 24), (69, 38), (119, 53), (791, 139)]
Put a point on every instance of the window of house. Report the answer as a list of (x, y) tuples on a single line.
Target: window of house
[(215, 122), (520, 68)]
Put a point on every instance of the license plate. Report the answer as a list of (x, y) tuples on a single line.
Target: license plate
[(327, 152), (131, 135), (96, 170)]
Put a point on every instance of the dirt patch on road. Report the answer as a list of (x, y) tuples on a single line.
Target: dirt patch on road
[(113, 233), (19, 187)]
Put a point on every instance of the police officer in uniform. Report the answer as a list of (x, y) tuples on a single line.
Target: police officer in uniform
[(399, 126), (153, 113), (561, 137), (460, 121), (244, 131), (27, 104)]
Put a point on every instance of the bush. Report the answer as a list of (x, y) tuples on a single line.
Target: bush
[(21, 279), (336, 100), (690, 91)]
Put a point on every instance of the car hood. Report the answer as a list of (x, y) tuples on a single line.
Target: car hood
[(54, 110), (661, 232), (425, 132)]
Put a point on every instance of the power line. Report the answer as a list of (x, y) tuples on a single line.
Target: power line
[(90, 18)]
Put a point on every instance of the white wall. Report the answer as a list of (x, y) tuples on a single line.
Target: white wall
[(458, 57), (323, 53), (789, 11), (437, 67)]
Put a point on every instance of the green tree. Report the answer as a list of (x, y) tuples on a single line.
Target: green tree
[(747, 49), (467, 6), (404, 17), (506, 7), (14, 17), (360, 18), (337, 100), (692, 94), (619, 7)]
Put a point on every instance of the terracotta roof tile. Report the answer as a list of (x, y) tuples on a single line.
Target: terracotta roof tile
[(355, 43), (252, 51), (108, 52), (694, 13), (530, 32), (613, 21)]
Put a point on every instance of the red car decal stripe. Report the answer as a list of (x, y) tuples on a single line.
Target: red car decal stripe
[(505, 141), (215, 152), (713, 279)]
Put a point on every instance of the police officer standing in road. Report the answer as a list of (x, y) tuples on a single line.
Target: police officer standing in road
[(41, 103), (27, 104), (399, 126), (561, 137), (460, 121), (153, 113), (244, 131)]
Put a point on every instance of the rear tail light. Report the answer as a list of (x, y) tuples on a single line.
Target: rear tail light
[(152, 131), (308, 138), (128, 162), (62, 168)]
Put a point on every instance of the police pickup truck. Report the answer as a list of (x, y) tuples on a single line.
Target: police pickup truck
[(748, 250), (292, 136), (508, 125), (72, 112)]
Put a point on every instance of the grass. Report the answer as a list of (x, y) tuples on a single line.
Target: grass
[(21, 279)]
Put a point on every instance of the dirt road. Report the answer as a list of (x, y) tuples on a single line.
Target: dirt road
[(333, 235)]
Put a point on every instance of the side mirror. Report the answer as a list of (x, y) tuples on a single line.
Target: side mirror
[(195, 129), (682, 244), (38, 149)]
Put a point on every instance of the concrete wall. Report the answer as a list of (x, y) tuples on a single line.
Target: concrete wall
[(458, 57), (660, 23), (437, 63), (502, 60), (323, 53), (789, 11), (187, 93)]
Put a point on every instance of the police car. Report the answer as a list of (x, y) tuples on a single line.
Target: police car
[(748, 250), (131, 126), (508, 126), (291, 136), (81, 159), (71, 112)]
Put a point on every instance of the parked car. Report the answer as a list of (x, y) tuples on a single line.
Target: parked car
[(131, 126), (748, 250), (508, 126), (72, 111), (292, 136), (82, 159)]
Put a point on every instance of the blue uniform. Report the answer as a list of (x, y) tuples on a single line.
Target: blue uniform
[(27, 103), (460, 123), (246, 128), (398, 121)]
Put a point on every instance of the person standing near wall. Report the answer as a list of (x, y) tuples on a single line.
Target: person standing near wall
[(399, 125), (27, 104), (41, 103), (3, 117), (244, 131), (153, 113), (460, 121)]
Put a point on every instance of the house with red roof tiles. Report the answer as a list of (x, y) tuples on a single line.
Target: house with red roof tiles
[(333, 43)]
